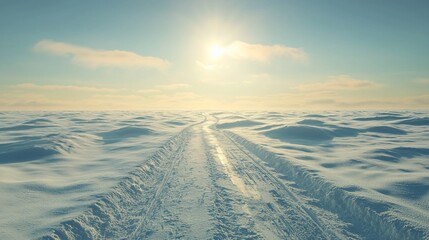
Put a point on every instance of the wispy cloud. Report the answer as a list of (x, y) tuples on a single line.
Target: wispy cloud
[(173, 86), (262, 53), (341, 82), (422, 80), (158, 89), (302, 101), (64, 87), (95, 58), (351, 103), (149, 91), (20, 100), (422, 100), (205, 66)]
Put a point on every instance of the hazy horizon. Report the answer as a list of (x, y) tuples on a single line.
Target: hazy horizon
[(214, 55)]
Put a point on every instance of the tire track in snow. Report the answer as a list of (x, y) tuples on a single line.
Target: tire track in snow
[(229, 210), (362, 217), (122, 213), (183, 211), (136, 234), (220, 182), (141, 206), (283, 195), (275, 210)]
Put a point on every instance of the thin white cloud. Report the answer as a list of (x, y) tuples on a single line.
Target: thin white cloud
[(341, 82), (208, 67), (262, 53), (303, 101), (422, 100), (165, 87), (95, 58), (422, 80), (173, 86), (261, 76), (64, 87), (19, 100), (149, 91)]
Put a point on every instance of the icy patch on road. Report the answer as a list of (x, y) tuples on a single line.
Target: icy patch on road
[(220, 154)]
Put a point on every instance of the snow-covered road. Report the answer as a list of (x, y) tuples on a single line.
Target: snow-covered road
[(207, 184)]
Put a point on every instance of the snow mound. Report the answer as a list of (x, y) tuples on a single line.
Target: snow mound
[(241, 123), (38, 121), (142, 118), (66, 144), (346, 132), (315, 116), (386, 130), (267, 127), (301, 134), (312, 122), (11, 154), (424, 121), (23, 127), (395, 154), (233, 117), (275, 115), (126, 132), (380, 118), (407, 189), (47, 146), (176, 123), (338, 131)]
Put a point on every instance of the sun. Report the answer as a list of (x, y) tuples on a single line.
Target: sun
[(216, 51)]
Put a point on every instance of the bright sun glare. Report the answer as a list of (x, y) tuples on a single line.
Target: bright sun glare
[(216, 51)]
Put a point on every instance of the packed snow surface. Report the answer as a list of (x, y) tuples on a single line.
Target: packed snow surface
[(54, 165), (217, 175)]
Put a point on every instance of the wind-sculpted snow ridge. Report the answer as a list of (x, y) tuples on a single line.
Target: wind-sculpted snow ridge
[(239, 123), (396, 154), (121, 213), (22, 152), (53, 165), (22, 127), (204, 185), (125, 132), (424, 121), (381, 118), (178, 123), (147, 176), (386, 130), (301, 134), (310, 135), (368, 218), (41, 149)]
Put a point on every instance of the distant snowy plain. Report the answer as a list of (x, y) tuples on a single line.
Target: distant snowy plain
[(217, 175)]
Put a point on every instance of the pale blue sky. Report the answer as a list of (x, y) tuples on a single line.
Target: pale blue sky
[(354, 54)]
